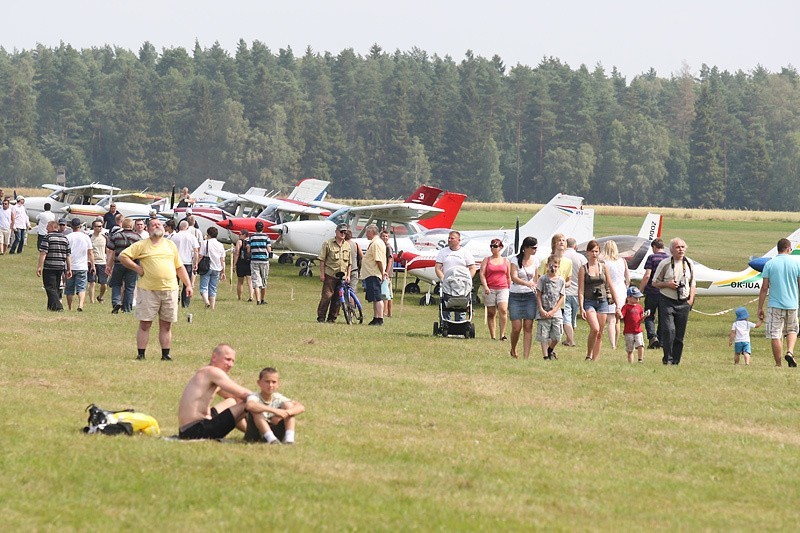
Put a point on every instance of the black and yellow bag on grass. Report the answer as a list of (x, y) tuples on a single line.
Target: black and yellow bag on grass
[(123, 422)]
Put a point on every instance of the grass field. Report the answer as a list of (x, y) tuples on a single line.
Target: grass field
[(402, 430)]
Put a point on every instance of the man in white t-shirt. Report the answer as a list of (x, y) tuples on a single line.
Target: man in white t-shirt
[(454, 256), (42, 219), (188, 250), (6, 225), (82, 260)]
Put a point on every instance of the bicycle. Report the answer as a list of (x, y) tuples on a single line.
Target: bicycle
[(349, 302)]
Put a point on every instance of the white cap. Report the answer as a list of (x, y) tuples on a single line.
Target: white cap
[(188, 210)]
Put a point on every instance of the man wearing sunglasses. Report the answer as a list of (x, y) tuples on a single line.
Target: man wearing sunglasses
[(335, 256)]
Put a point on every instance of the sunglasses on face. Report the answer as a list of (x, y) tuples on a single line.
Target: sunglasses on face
[(494, 246)]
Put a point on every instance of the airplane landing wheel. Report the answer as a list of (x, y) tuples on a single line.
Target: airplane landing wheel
[(412, 288), (302, 262), (306, 272), (285, 259)]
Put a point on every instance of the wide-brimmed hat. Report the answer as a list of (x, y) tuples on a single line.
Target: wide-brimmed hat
[(742, 314)]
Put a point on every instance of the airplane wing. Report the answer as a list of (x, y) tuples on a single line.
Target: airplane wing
[(282, 204), (397, 212), (309, 190)]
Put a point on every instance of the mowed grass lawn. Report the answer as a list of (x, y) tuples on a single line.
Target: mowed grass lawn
[(402, 430)]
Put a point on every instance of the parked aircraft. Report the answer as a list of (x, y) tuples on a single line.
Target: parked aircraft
[(249, 205), (61, 197), (404, 219), (562, 214), (635, 249)]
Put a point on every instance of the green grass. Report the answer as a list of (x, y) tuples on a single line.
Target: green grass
[(402, 430)]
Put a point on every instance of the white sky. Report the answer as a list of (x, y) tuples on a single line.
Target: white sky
[(632, 35)]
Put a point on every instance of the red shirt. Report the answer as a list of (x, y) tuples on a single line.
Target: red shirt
[(632, 317)]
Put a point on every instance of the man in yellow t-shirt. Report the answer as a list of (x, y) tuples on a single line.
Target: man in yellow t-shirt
[(157, 262)]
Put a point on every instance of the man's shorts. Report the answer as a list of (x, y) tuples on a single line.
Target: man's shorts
[(633, 340), (549, 329), (259, 270), (741, 347), (152, 304), (5, 236), (252, 434), (372, 288), (495, 296), (76, 284), (98, 275), (780, 322), (216, 428), (571, 310)]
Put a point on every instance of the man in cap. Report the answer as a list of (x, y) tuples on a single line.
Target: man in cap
[(335, 257), (82, 260), (63, 226), (21, 225)]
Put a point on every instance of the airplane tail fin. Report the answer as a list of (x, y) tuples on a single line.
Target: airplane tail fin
[(200, 192), (579, 226), (651, 227), (310, 190), (425, 195), (548, 219), (451, 203)]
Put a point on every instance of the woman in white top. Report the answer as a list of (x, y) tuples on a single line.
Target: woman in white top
[(620, 279), (522, 295), (215, 251)]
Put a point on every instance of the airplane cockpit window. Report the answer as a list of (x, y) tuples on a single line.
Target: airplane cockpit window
[(340, 216), (271, 214), (229, 206)]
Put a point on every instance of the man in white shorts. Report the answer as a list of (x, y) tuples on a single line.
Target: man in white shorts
[(781, 277)]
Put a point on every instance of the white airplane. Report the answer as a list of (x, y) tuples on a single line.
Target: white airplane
[(562, 214), (61, 197), (137, 204), (403, 219), (254, 202), (635, 249), (747, 282)]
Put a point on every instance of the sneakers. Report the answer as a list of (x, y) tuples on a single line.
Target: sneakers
[(140, 357), (116, 309), (166, 357), (376, 322), (654, 344), (790, 359), (99, 299), (551, 354), (321, 320)]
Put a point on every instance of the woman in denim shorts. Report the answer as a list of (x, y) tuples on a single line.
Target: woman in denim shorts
[(594, 292), (522, 295)]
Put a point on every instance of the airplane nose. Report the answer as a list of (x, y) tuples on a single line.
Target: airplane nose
[(758, 263)]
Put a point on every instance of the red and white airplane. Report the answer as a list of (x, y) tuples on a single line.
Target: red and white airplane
[(251, 204), (404, 220)]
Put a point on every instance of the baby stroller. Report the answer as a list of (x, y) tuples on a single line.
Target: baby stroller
[(455, 305)]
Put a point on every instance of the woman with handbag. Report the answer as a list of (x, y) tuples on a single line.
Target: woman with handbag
[(211, 267), (594, 295)]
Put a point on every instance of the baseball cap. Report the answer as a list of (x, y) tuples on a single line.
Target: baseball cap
[(342, 227), (635, 292), (76, 223), (20, 197), (741, 313), (188, 210), (62, 222)]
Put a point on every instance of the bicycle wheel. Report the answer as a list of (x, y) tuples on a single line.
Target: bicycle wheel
[(347, 309), (358, 313)]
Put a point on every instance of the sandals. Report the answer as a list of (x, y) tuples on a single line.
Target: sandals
[(513, 355), (790, 359)]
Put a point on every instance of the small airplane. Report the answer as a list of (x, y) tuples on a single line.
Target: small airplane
[(254, 202), (562, 214), (635, 249), (61, 197), (411, 217), (746, 282)]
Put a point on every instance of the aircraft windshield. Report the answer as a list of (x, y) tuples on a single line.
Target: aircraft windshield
[(340, 216)]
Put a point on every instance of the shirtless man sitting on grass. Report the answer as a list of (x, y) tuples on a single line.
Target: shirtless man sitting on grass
[(196, 418)]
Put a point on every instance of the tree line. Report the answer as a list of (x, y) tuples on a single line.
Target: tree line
[(378, 125)]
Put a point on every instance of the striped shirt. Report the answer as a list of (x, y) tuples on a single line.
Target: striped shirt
[(119, 239), (56, 246), (260, 244)]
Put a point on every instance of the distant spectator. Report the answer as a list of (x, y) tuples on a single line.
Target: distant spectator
[(242, 258), (209, 281), (21, 225), (110, 218), (652, 295), (620, 279), (495, 273), (675, 277), (571, 308), (781, 276), (42, 220), (6, 225), (82, 257), (54, 261), (260, 249)]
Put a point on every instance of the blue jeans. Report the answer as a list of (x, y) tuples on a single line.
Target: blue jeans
[(186, 300), (19, 241), (209, 282), (121, 275)]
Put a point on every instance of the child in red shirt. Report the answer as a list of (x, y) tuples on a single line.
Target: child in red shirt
[(632, 316)]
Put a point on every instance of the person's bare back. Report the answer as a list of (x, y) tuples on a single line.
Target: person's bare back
[(212, 379)]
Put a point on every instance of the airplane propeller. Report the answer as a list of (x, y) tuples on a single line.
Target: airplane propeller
[(516, 237), (172, 198)]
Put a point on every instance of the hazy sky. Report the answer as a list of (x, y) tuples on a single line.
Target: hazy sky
[(631, 35)]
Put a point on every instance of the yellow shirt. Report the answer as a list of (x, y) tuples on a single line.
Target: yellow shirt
[(159, 261), (374, 262), (564, 268)]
